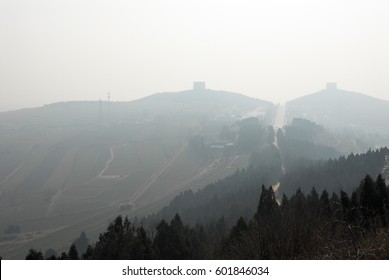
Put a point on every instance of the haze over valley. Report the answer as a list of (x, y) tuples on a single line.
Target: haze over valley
[(278, 150), (67, 165), (73, 166)]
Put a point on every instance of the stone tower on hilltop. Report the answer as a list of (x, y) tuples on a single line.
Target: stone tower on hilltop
[(332, 86), (199, 86)]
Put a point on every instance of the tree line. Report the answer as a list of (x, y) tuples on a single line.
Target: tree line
[(333, 174), (339, 225)]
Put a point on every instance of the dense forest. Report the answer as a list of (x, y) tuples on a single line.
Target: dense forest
[(302, 139), (334, 174), (237, 195), (312, 226)]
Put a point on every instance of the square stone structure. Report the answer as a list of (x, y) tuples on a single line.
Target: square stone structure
[(199, 85)]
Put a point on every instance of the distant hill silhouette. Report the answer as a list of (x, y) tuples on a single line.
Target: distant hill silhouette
[(341, 109), (201, 103), (206, 97)]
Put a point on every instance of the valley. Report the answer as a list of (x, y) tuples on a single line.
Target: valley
[(71, 167), (72, 178)]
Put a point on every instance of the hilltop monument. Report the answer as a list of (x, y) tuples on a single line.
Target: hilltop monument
[(332, 86), (199, 86)]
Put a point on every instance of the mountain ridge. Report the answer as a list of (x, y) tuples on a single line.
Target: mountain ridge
[(193, 102), (342, 109)]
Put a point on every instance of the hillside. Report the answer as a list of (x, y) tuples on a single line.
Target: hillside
[(203, 101), (188, 103), (341, 109), (71, 166), (303, 225), (237, 195)]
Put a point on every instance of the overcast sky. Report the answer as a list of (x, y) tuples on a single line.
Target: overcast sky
[(274, 50)]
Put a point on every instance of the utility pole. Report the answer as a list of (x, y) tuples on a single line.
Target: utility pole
[(108, 107), (100, 111)]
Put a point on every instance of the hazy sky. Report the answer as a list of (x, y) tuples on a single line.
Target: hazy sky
[(274, 50)]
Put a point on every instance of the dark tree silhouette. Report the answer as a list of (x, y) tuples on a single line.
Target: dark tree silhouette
[(34, 255)]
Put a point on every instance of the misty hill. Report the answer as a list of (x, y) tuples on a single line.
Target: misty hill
[(70, 166), (193, 103), (340, 109), (201, 100)]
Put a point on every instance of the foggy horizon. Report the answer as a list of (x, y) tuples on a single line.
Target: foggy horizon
[(104, 97), (278, 51)]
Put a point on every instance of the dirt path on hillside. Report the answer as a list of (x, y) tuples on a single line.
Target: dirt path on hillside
[(108, 163), (54, 200), (11, 175)]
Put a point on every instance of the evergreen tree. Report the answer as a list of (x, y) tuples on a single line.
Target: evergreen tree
[(346, 206), (267, 203), (344, 200), (285, 204), (368, 197), (115, 243), (239, 229), (182, 248), (325, 207), (382, 203), (355, 213), (34, 255), (73, 254), (88, 255), (173, 241), (298, 203), (162, 240), (235, 242), (142, 246), (313, 202), (383, 191), (371, 203), (63, 256)]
